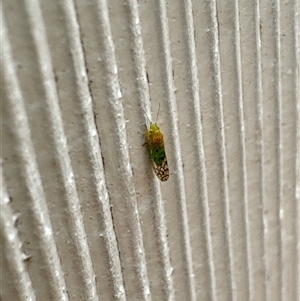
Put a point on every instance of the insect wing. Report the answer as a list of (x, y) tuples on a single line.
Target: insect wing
[(162, 171)]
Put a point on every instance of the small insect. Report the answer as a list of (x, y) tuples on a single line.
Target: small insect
[(156, 149)]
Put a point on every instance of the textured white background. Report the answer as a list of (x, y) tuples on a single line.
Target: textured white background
[(83, 216)]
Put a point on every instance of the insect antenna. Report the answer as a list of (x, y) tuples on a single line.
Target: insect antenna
[(157, 113), (147, 117)]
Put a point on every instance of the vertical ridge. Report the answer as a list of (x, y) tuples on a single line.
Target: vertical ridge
[(218, 83), (260, 121), (243, 146), (30, 171), (126, 172), (94, 149), (159, 211), (201, 154), (279, 121), (44, 60), (160, 221), (139, 57), (297, 94), (11, 245), (178, 160)]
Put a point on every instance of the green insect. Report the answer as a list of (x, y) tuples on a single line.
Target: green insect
[(156, 148)]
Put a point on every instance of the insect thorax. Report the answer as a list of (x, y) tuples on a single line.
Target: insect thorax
[(155, 136)]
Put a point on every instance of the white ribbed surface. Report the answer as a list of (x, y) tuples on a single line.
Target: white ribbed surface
[(83, 216)]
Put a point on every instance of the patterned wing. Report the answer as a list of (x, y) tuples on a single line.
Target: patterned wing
[(162, 171)]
